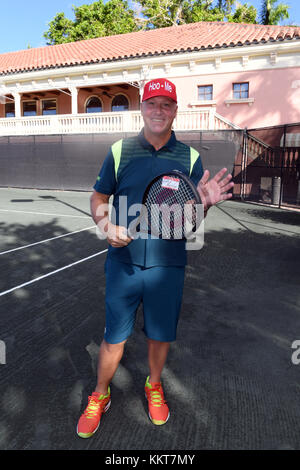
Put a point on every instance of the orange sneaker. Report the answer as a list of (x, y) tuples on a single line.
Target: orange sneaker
[(90, 419), (158, 408)]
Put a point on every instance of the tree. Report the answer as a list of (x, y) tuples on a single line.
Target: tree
[(162, 13), (59, 31), (225, 6), (243, 14), (204, 10), (92, 21), (115, 17), (119, 18), (272, 14)]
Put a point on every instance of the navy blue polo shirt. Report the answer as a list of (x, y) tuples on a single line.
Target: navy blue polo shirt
[(128, 175)]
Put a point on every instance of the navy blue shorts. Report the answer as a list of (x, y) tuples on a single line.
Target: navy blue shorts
[(159, 288)]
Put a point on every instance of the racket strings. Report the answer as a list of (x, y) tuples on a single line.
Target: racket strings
[(167, 209)]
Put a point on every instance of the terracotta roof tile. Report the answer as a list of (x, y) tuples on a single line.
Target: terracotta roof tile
[(189, 37)]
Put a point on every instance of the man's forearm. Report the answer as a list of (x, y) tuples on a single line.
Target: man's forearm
[(99, 209)]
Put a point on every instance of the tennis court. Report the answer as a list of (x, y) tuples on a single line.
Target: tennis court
[(229, 380)]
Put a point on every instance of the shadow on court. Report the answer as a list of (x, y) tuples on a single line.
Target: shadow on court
[(229, 380), (51, 199)]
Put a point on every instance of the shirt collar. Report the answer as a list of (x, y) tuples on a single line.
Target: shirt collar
[(169, 145)]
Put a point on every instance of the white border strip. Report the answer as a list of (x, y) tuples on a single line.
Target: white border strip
[(51, 273), (45, 241), (46, 213)]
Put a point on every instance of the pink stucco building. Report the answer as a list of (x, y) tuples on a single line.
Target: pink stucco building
[(245, 74), (273, 95)]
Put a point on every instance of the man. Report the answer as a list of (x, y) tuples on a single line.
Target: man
[(143, 270)]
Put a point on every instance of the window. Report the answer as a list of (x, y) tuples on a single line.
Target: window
[(120, 103), (9, 109), (205, 92), (93, 105), (48, 107), (240, 90), (29, 108)]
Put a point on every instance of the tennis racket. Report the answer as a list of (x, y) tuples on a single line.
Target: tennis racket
[(171, 208)]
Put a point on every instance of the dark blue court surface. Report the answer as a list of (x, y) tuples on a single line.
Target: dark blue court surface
[(230, 380)]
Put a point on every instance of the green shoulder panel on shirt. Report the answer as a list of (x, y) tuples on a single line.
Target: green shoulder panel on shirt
[(130, 149), (193, 155), (116, 149), (124, 150)]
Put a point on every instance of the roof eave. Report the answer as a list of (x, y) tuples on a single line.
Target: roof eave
[(173, 52)]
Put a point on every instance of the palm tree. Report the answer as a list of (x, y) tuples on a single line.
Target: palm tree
[(272, 13)]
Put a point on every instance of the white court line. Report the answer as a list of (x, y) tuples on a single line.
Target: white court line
[(47, 240), (50, 274), (46, 213)]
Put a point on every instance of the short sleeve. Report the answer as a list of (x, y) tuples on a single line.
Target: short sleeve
[(106, 180), (197, 171)]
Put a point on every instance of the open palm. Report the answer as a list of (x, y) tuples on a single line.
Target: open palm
[(215, 189)]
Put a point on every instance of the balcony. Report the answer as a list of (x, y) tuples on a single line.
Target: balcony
[(127, 121)]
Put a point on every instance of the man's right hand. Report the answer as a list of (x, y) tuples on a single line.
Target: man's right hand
[(117, 236)]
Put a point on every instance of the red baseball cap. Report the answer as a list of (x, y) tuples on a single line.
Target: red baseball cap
[(159, 87)]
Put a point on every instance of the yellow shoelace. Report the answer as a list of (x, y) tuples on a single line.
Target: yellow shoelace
[(93, 407), (156, 396)]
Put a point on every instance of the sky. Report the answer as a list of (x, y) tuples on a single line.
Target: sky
[(24, 22)]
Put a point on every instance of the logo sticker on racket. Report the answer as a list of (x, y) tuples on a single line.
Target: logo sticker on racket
[(170, 182)]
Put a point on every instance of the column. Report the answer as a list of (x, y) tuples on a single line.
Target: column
[(17, 98), (74, 93)]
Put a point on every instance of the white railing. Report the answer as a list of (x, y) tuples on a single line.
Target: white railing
[(71, 124), (221, 123), (127, 121)]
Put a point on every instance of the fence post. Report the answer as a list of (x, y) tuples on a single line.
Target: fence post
[(281, 166), (276, 190), (243, 163)]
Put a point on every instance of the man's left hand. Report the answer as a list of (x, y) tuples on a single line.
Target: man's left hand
[(215, 189)]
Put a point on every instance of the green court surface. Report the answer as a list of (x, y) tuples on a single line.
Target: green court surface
[(230, 381)]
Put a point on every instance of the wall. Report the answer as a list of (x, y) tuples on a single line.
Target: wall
[(276, 96)]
